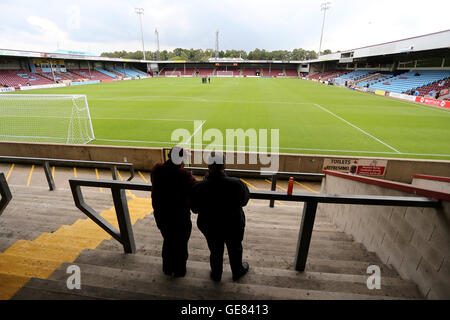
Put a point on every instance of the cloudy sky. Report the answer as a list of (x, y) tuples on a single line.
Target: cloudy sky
[(107, 25)]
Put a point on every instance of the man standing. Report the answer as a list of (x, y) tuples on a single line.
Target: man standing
[(218, 200), (171, 186)]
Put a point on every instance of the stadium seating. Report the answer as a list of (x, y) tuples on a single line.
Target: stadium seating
[(92, 75), (436, 86), (379, 77), (204, 71), (107, 73), (16, 78), (411, 80), (273, 72), (249, 72), (354, 75), (327, 75), (291, 73), (131, 73)]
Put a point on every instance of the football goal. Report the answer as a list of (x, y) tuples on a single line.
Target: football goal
[(225, 73), (173, 74), (45, 118)]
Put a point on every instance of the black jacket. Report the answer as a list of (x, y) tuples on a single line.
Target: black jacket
[(218, 200), (171, 187)]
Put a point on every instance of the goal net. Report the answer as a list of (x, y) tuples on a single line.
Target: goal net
[(45, 118), (225, 73), (173, 74)]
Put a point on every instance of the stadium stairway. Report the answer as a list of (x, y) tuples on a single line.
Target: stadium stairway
[(42, 234)]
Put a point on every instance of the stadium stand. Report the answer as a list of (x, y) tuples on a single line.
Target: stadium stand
[(412, 80), (15, 78), (43, 234)]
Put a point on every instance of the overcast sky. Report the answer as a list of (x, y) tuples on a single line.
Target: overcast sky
[(108, 25)]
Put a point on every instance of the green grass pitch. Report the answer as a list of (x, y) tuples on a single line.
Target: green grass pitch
[(311, 118)]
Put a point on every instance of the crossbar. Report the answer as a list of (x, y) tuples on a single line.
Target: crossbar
[(47, 162), (5, 192)]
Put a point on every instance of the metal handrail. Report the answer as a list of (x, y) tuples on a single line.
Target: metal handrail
[(46, 162), (125, 233), (126, 238), (272, 174), (5, 192)]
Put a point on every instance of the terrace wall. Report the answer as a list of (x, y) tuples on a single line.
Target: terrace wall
[(415, 241), (401, 170)]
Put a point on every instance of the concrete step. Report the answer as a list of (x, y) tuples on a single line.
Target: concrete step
[(393, 287), (25, 233), (260, 258), (199, 248), (197, 240), (39, 219), (45, 289), (196, 288)]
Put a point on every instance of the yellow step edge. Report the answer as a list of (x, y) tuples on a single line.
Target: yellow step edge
[(27, 270), (69, 231), (41, 257), (13, 259), (36, 250), (68, 241), (10, 284)]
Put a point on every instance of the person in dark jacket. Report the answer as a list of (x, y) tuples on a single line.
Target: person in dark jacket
[(171, 186), (218, 201)]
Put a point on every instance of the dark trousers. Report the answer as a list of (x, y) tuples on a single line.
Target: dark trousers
[(216, 247), (175, 247)]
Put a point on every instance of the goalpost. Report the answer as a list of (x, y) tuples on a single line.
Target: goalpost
[(225, 73), (45, 118)]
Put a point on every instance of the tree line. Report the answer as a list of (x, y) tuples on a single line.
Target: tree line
[(203, 55)]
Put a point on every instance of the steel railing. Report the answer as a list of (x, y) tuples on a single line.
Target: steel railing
[(5, 192), (47, 162), (268, 174), (311, 201)]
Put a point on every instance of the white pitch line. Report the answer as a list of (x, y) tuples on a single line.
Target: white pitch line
[(299, 149), (212, 101), (197, 130), (357, 128), (145, 119)]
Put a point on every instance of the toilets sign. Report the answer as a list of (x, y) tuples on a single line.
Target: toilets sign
[(363, 167)]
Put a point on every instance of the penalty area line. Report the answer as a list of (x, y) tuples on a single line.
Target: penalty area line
[(197, 130), (357, 128)]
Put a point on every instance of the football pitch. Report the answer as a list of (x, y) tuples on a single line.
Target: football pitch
[(312, 118)]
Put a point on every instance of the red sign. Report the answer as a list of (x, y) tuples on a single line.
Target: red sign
[(370, 170), (433, 102)]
